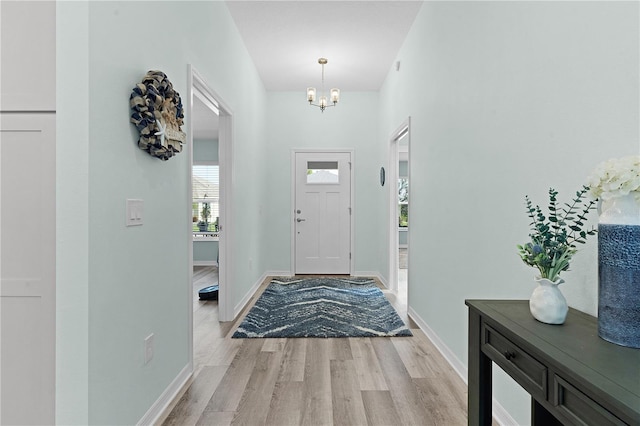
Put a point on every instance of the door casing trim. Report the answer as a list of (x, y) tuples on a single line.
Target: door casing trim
[(394, 173), (197, 86)]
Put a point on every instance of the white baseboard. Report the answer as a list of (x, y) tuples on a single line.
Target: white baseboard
[(240, 306), (451, 358), (158, 410), (279, 274), (371, 274), (205, 263), (503, 418), (384, 281), (499, 413)]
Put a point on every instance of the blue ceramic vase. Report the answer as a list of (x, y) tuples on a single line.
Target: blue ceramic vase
[(619, 272)]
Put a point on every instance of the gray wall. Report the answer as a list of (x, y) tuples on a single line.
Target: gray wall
[(205, 150), (403, 169), (351, 124), (136, 281), (205, 252), (505, 99)]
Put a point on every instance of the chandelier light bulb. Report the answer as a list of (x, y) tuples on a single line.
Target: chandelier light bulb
[(311, 94), (335, 95)]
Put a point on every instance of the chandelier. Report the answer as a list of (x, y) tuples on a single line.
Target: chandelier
[(311, 92)]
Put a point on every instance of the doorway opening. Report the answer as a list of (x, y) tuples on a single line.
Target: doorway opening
[(210, 228), (399, 210)]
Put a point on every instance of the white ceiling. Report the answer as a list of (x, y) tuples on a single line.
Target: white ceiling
[(205, 121), (359, 38)]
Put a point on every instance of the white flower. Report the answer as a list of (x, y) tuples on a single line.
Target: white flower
[(615, 178)]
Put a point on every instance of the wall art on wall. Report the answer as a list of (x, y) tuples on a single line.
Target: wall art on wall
[(156, 111)]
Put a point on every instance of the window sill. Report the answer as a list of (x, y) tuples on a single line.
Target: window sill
[(206, 236)]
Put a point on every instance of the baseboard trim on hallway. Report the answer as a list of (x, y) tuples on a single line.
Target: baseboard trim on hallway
[(247, 297), (279, 274), (205, 263), (163, 405), (447, 353), (499, 413), (366, 274)]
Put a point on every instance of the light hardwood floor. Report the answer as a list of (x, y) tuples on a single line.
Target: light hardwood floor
[(346, 381)]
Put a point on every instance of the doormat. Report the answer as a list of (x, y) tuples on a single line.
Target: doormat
[(322, 307)]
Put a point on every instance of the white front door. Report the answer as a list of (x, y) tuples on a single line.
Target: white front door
[(322, 212)]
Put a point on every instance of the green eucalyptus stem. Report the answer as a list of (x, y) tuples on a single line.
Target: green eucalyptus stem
[(576, 228), (559, 264), (553, 238)]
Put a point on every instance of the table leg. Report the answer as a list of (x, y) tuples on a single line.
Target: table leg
[(479, 376)]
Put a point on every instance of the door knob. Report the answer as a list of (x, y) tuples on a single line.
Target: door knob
[(300, 220)]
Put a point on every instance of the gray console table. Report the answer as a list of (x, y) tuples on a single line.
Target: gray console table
[(573, 376)]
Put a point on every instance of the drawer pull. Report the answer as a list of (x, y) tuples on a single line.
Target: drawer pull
[(509, 355)]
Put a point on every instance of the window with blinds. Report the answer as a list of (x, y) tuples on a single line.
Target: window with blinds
[(206, 197)]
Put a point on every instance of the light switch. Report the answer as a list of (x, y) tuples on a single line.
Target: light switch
[(135, 210)]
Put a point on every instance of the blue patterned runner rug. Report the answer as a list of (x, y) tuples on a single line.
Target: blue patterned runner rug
[(322, 307)]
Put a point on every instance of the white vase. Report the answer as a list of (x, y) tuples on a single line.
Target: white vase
[(547, 304)]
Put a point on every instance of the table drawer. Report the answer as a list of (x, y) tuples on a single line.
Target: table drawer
[(524, 368), (578, 407)]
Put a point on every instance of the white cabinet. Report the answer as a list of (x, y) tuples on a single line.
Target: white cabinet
[(27, 212), (28, 49), (27, 268)]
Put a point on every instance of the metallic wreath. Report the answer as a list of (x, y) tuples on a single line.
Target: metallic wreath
[(158, 115)]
